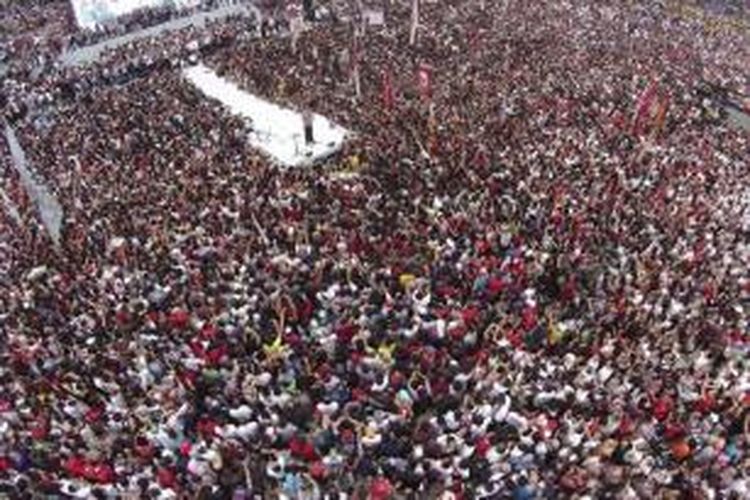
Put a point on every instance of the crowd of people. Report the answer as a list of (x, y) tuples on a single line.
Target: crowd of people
[(501, 287), (142, 18), (32, 32), (35, 35)]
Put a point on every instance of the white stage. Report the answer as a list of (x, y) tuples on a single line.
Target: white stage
[(277, 131)]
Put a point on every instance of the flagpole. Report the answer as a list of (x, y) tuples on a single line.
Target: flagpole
[(414, 21), (362, 19), (355, 57), (357, 87)]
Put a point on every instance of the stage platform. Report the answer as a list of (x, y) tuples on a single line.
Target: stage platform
[(277, 131)]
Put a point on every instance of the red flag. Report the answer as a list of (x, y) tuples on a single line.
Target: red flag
[(388, 97), (354, 55), (474, 41), (424, 77), (644, 104), (660, 115)]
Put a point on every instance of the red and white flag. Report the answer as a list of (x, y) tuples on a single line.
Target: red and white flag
[(660, 115), (475, 40)]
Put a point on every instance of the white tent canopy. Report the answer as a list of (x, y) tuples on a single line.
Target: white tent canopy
[(90, 13)]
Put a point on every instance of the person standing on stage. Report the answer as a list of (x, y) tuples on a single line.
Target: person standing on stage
[(309, 10), (307, 121)]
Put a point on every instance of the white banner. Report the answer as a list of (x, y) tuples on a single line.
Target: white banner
[(374, 17)]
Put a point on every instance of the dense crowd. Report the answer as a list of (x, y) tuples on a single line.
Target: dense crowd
[(33, 32), (499, 288), (34, 36), (142, 18)]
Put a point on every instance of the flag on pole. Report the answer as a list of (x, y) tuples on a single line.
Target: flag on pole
[(357, 82), (388, 97), (355, 56), (432, 136), (414, 21), (644, 106), (474, 42), (296, 26), (362, 18), (660, 115)]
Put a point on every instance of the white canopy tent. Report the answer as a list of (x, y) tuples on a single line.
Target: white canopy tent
[(90, 13)]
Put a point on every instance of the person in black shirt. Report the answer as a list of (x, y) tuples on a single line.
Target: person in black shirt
[(307, 121)]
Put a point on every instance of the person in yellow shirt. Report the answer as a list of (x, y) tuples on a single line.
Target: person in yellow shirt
[(406, 280)]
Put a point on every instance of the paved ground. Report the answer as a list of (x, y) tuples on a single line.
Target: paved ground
[(739, 118), (90, 53), (49, 207), (10, 208)]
